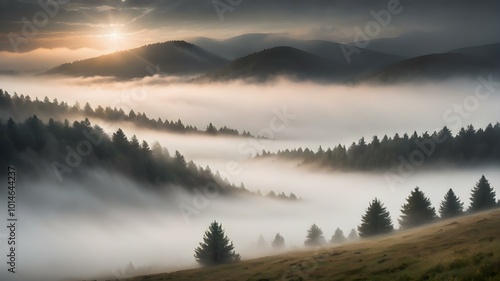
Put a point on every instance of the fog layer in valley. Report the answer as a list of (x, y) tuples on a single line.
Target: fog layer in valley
[(98, 226), (322, 114), (80, 229)]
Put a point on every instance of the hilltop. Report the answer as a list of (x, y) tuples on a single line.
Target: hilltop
[(172, 58)]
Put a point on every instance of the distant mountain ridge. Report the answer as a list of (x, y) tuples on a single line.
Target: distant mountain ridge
[(464, 62), (240, 46), (260, 57), (286, 61)]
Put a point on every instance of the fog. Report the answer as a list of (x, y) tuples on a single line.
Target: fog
[(97, 226), (323, 114)]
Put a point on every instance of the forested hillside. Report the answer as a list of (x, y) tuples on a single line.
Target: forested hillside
[(21, 107), (70, 149), (468, 147)]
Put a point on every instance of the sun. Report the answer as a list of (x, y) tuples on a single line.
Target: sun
[(115, 35), (113, 40)]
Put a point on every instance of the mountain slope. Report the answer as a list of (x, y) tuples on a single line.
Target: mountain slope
[(436, 67), (465, 62), (172, 58), (490, 51), (465, 248), (286, 61), (242, 45)]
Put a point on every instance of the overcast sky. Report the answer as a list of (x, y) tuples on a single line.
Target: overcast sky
[(92, 27)]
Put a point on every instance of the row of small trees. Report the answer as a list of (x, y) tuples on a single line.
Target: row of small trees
[(216, 248), (314, 236), (418, 210)]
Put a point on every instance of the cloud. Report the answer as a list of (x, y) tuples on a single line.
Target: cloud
[(103, 221), (42, 59), (178, 19)]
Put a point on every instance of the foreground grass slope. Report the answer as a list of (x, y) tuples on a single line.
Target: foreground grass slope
[(465, 248)]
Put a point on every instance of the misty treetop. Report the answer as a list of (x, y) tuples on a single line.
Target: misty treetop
[(278, 242), (375, 221), (417, 210), (314, 237), (451, 206), (353, 235), (468, 147), (21, 107), (483, 196), (33, 146), (338, 237), (216, 247)]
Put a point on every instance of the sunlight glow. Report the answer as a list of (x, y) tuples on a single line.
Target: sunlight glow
[(114, 35), (114, 40)]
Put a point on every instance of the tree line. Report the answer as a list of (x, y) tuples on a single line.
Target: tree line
[(418, 210), (468, 147), (216, 247), (16, 105), (32, 145)]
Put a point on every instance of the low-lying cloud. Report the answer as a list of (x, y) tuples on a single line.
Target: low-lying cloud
[(92, 227)]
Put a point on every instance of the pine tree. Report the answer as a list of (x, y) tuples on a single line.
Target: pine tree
[(120, 141), (451, 206), (314, 236), (179, 160), (211, 129), (353, 235), (375, 221), (483, 196), (216, 248), (338, 237), (134, 143), (417, 210), (278, 242), (87, 109)]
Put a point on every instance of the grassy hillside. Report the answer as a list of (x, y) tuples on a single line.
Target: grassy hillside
[(466, 248)]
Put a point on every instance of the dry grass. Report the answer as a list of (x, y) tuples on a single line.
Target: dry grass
[(465, 248)]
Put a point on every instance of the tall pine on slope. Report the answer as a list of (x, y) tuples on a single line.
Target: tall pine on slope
[(483, 196), (417, 210), (314, 236), (375, 221), (451, 206), (216, 247)]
